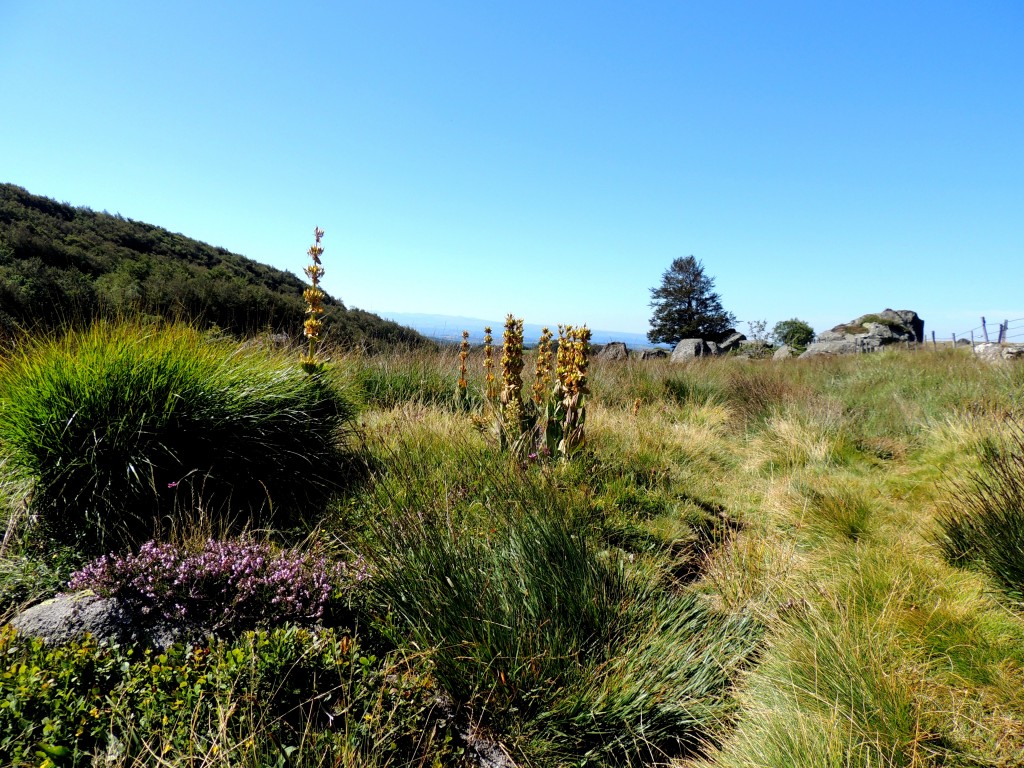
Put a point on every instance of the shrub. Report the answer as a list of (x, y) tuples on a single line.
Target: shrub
[(283, 697), (793, 332), (115, 425), (224, 584)]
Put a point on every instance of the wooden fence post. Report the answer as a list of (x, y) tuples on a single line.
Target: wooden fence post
[(934, 345), (984, 329)]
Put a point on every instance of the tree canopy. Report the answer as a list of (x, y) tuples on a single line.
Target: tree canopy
[(61, 264), (686, 305), (794, 333)]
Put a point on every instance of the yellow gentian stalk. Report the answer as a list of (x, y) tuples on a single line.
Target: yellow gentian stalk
[(314, 297)]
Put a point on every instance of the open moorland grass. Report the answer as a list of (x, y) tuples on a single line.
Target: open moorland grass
[(750, 563)]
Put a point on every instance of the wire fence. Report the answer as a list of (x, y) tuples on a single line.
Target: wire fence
[(1005, 332)]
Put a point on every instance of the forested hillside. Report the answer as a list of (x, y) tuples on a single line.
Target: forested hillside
[(59, 263)]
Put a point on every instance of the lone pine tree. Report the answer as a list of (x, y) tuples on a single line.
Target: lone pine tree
[(686, 305)]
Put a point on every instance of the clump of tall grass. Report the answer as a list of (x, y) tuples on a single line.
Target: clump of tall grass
[(534, 620), (665, 689), (514, 611), (838, 513), (835, 690), (423, 378), (688, 389), (118, 426), (982, 521), (758, 391)]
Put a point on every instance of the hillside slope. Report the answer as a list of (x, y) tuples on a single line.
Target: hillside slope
[(61, 263)]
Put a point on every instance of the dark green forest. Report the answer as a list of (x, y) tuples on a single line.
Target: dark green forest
[(62, 265)]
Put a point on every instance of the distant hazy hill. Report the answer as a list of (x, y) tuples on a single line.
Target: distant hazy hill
[(449, 328), (60, 263)]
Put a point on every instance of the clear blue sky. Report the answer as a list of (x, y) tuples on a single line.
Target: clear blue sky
[(822, 159)]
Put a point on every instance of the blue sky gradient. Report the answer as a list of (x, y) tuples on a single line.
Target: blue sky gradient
[(822, 159)]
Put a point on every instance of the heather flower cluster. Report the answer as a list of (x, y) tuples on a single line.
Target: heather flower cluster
[(239, 583)]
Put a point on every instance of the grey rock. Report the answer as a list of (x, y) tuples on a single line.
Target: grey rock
[(712, 348), (687, 349), (655, 353), (614, 350), (784, 353), (482, 750), (69, 617), (910, 320), (730, 341), (999, 353)]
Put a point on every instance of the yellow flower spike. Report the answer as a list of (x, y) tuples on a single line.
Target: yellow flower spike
[(463, 354), (542, 372), (314, 298), (512, 378), (489, 383)]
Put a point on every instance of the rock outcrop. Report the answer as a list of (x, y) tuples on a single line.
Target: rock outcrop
[(869, 333)]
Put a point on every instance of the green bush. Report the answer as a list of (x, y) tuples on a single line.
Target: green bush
[(795, 333), (119, 426), (285, 697)]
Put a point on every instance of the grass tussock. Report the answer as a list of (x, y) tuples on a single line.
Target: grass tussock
[(982, 522), (117, 426)]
